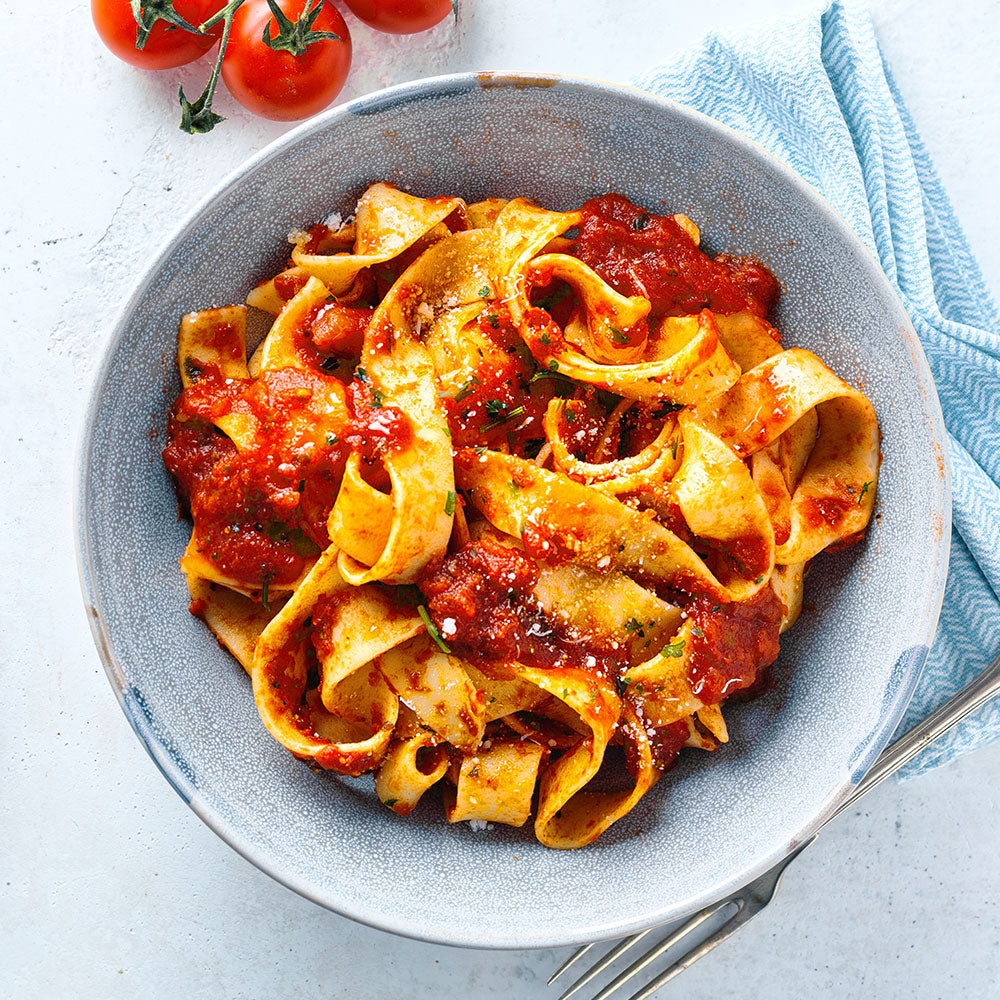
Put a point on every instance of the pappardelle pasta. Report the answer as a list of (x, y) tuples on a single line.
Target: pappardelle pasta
[(509, 502)]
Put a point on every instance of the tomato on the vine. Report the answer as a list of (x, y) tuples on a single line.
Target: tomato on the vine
[(167, 45), (401, 17), (302, 73)]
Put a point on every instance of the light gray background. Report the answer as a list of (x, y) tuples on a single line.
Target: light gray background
[(110, 886)]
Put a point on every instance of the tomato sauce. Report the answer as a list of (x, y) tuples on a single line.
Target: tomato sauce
[(666, 742), (828, 511), (653, 256), (339, 330), (731, 643), (481, 601), (377, 428), (260, 513), (318, 235), (499, 406), (582, 423), (743, 558), (289, 285)]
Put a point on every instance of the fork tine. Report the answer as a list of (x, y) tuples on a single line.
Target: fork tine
[(754, 897), (665, 945), (730, 927), (612, 956), (570, 962)]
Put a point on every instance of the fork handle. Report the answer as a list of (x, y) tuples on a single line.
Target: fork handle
[(956, 708)]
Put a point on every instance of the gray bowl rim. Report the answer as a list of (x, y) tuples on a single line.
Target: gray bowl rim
[(411, 92)]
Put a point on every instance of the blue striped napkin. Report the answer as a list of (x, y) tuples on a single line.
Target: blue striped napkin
[(815, 91)]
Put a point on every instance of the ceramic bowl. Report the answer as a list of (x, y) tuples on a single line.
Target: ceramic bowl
[(845, 672)]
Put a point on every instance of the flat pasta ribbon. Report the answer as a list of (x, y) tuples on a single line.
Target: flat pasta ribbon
[(347, 723), (388, 222), (398, 367), (565, 520), (835, 495), (218, 338), (569, 814)]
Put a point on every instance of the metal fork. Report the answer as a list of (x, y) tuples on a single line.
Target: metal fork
[(752, 898)]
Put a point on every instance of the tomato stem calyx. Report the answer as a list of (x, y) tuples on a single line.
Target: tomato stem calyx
[(148, 12), (296, 36)]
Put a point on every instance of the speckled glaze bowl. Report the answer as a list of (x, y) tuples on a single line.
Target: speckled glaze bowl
[(845, 672)]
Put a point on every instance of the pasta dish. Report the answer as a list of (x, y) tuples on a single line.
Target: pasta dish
[(508, 502)]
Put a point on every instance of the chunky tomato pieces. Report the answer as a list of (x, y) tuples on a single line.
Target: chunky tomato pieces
[(260, 512), (653, 256), (498, 405), (732, 643)]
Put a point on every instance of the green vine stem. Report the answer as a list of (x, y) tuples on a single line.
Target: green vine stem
[(197, 117)]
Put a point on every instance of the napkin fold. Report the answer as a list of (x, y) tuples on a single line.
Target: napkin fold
[(815, 91)]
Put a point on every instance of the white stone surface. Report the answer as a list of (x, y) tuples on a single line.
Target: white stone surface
[(111, 887)]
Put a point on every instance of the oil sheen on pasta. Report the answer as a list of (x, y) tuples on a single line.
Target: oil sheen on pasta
[(508, 502)]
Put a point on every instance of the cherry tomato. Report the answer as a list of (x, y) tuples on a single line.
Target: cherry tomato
[(401, 17), (277, 84), (166, 46)]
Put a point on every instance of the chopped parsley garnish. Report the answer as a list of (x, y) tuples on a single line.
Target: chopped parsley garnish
[(467, 388), (699, 632), (264, 596), (553, 365), (480, 449), (570, 416), (494, 407), (330, 364), (864, 490), (640, 222), (493, 319), (331, 439), (361, 375), (673, 447), (432, 629), (545, 339), (760, 579), (617, 335), (552, 373), (378, 399), (621, 685), (192, 369), (389, 802), (516, 412), (513, 487), (484, 292), (449, 503), (674, 649), (634, 625)]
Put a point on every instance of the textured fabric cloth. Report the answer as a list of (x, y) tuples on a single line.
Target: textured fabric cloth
[(815, 91)]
